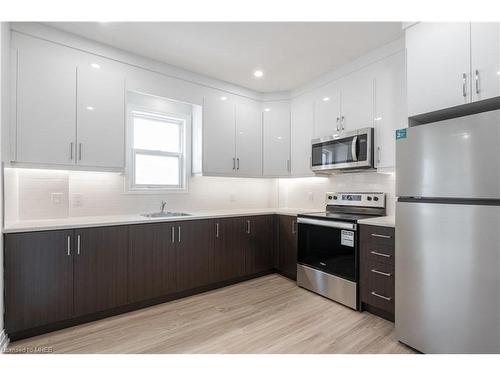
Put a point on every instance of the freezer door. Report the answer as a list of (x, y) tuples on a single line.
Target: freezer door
[(458, 158), (448, 277)]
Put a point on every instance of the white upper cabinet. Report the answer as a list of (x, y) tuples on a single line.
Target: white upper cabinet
[(356, 101), (344, 105), (327, 111), (46, 109), (301, 134), (390, 107), (219, 134), (485, 58), (100, 116), (438, 66), (276, 127), (249, 138)]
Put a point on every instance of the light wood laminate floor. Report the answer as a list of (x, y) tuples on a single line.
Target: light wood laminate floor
[(265, 315)]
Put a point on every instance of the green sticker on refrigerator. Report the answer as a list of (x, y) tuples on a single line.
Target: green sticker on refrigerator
[(400, 134)]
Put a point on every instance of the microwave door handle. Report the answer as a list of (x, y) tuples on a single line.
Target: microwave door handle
[(353, 148)]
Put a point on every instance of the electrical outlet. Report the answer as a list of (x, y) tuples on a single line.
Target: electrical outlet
[(310, 196), (77, 200), (57, 198)]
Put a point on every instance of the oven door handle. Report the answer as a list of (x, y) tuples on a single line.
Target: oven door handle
[(327, 223), (353, 148)]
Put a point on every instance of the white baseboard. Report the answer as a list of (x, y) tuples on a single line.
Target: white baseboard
[(4, 341)]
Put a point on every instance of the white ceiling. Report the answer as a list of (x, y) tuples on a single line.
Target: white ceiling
[(290, 54)]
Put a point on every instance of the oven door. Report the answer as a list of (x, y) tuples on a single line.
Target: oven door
[(328, 246), (343, 151)]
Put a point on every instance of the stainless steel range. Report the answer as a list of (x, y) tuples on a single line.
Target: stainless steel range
[(328, 252)]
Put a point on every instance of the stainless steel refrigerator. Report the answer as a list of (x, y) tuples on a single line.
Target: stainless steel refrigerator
[(448, 235)]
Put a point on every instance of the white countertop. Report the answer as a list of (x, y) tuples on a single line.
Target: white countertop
[(383, 221), (98, 221)]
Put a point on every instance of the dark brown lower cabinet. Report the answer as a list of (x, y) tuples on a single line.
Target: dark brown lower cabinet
[(225, 260), (259, 244), (68, 276), (287, 246), (377, 279), (194, 248), (152, 261), (100, 269), (38, 279)]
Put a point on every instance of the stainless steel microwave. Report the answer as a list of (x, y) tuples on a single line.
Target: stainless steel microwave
[(349, 150)]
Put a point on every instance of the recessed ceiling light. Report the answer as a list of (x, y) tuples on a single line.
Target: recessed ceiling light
[(89, 108), (223, 98), (378, 118), (326, 98), (267, 109), (258, 73), (95, 66)]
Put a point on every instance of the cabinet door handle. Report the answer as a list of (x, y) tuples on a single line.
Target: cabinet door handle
[(293, 227), (338, 119), (234, 164), (380, 254), (477, 82), (216, 230), (378, 154), (342, 122), (71, 151), (381, 296), (381, 235), (69, 246), (288, 165), (238, 163), (173, 234), (78, 245), (464, 85), (79, 151), (179, 233), (382, 273), (248, 226)]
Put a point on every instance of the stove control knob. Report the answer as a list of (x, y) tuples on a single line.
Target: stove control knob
[(330, 197), (375, 199), (369, 198), (335, 197)]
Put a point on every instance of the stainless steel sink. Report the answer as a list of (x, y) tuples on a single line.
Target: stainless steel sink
[(165, 214)]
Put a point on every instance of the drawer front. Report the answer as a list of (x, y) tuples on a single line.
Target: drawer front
[(377, 243), (377, 284)]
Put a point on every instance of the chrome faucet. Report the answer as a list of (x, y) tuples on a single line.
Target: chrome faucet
[(163, 204)]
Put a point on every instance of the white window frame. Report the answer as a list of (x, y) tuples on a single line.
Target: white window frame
[(181, 119)]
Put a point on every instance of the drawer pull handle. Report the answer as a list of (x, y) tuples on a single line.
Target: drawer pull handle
[(382, 273), (381, 296), (380, 254), (381, 235)]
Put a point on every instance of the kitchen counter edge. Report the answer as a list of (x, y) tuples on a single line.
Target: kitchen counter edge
[(116, 220)]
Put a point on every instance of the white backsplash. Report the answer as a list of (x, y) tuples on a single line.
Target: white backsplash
[(310, 192), (29, 193)]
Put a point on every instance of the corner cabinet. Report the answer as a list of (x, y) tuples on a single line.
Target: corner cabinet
[(68, 112), (451, 64), (276, 129)]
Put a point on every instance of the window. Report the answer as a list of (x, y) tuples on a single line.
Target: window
[(157, 159)]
